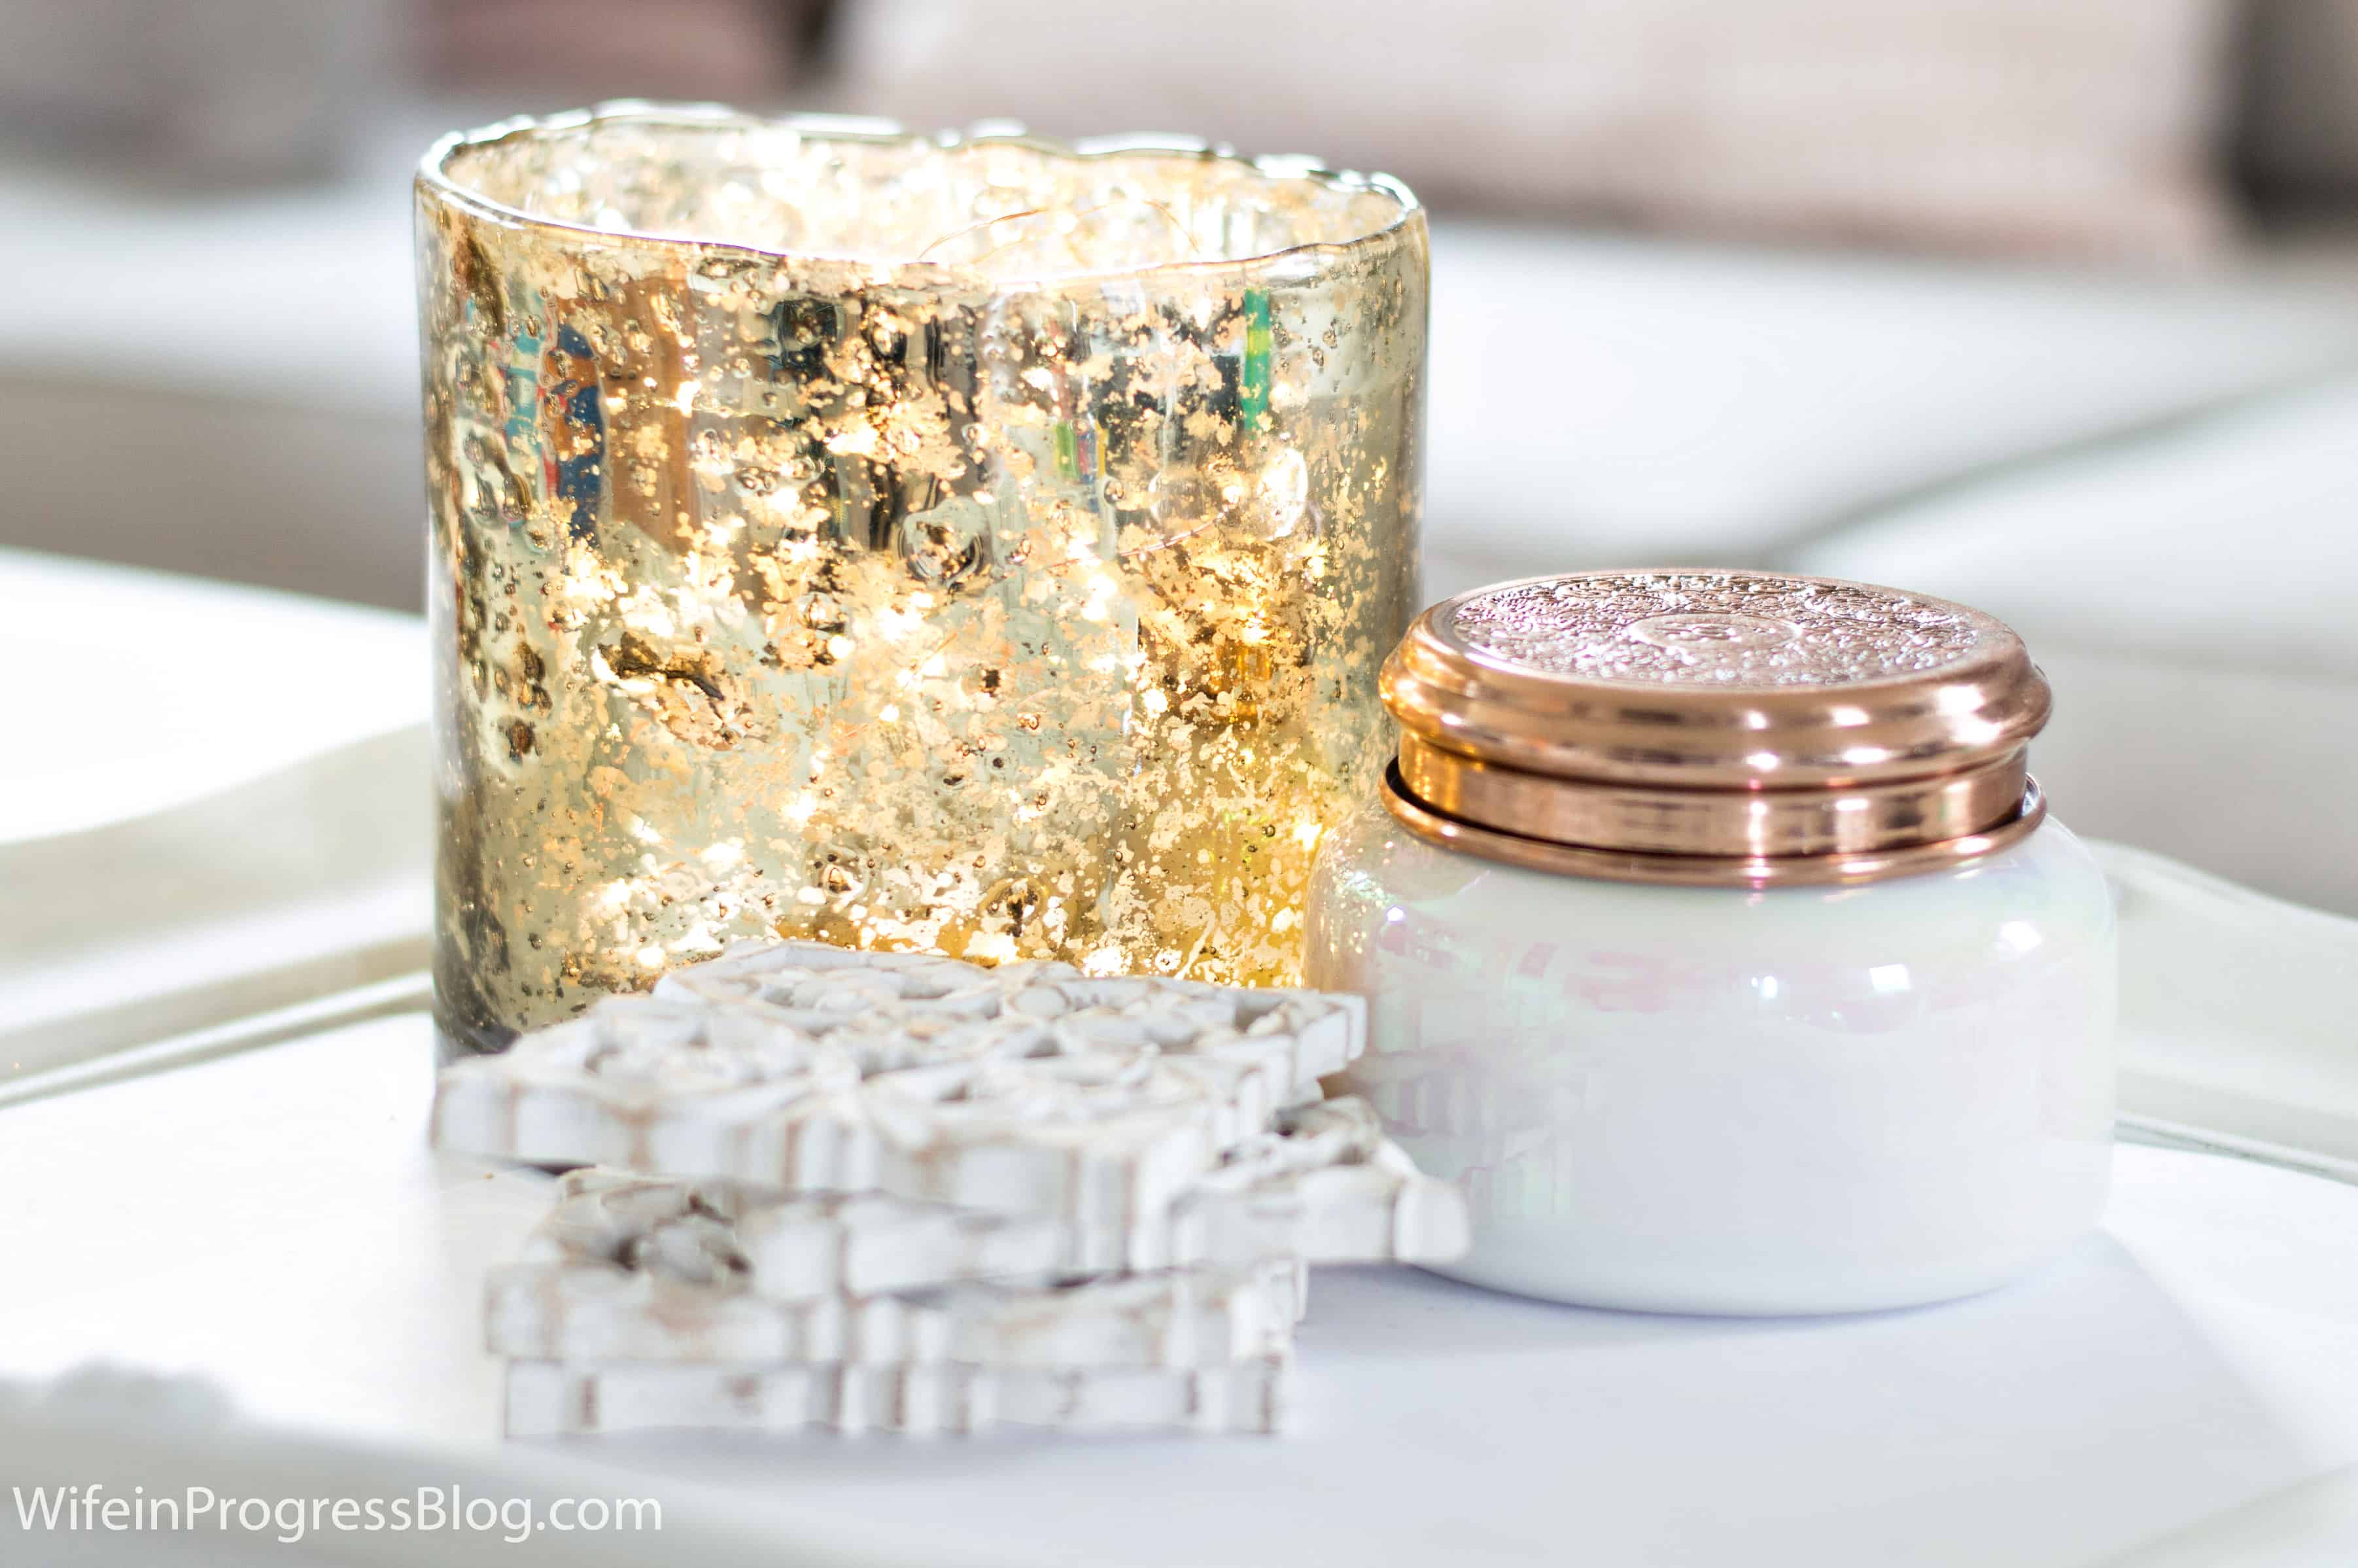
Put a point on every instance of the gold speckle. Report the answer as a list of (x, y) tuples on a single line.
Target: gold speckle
[(759, 563)]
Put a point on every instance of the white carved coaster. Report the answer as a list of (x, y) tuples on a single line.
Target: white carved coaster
[(553, 1400), (1028, 1090), (1173, 1318), (813, 983), (1323, 1187), (895, 1192)]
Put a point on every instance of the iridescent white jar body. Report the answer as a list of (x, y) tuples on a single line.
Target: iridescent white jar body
[(1794, 1099), (1718, 943)]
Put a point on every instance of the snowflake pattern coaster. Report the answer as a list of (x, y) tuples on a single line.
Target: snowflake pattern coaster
[(896, 1191), (1323, 1186), (1026, 1089), (546, 1398), (1173, 1318)]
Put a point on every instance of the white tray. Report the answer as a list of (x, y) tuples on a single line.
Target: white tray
[(217, 808), (274, 1222)]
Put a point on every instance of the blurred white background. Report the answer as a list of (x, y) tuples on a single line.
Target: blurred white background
[(2052, 309)]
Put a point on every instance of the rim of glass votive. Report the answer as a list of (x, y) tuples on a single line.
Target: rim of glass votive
[(433, 174)]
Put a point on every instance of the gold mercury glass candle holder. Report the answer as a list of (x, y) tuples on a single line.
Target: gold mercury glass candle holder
[(980, 546)]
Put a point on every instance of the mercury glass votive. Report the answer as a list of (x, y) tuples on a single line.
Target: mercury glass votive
[(981, 546)]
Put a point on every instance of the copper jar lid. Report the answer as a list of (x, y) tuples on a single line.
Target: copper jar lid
[(1713, 727)]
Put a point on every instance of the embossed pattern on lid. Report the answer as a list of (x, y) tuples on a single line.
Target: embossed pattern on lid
[(1723, 629), (1795, 727)]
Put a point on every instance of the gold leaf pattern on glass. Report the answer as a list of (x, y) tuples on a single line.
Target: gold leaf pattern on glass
[(979, 547)]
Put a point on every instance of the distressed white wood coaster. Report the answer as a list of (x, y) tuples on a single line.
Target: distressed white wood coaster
[(895, 1192), (1323, 1187), (554, 1399), (1028, 1090), (1173, 1318)]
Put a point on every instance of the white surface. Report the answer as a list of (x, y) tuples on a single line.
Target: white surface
[(2296, 1527), (1605, 401), (2232, 541), (298, 297), (276, 1221), (2191, 598), (2248, 776), (215, 804), (164, 689), (311, 879), (309, 499), (217, 383), (2236, 1016)]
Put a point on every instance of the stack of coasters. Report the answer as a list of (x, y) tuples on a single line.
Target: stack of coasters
[(899, 1192)]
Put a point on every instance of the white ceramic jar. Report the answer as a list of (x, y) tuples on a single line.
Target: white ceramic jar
[(1717, 942)]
